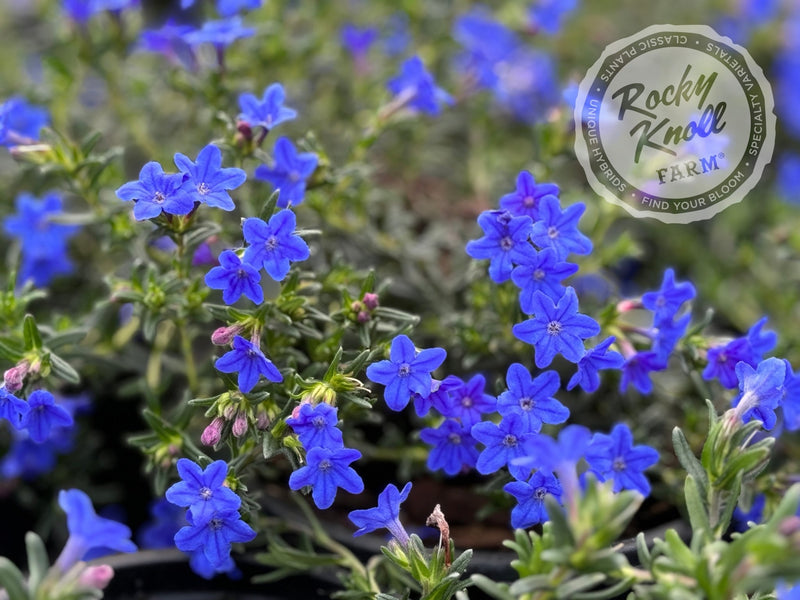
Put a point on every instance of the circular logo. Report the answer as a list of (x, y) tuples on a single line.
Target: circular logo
[(675, 123)]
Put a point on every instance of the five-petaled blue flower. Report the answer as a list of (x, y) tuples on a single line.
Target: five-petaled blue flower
[(202, 491), (530, 495), (559, 230), (416, 88), (289, 172), (468, 402), (532, 398), (208, 179), (504, 238), (267, 112), (325, 471), (556, 328), (525, 199), (156, 191), (615, 457), (504, 442), (44, 414), (215, 536), (12, 408), (760, 391), (274, 245), (358, 40), (247, 359), (315, 425), (87, 530), (453, 447), (595, 359), (637, 368), (539, 271), (384, 516), (221, 33), (666, 301), (406, 372), (21, 122), (235, 277)]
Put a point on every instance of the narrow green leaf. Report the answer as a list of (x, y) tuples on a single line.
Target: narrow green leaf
[(30, 332), (614, 591), (696, 506), (38, 563), (333, 368), (642, 551), (12, 581), (532, 583), (495, 590), (63, 370), (689, 461), (269, 206), (569, 588)]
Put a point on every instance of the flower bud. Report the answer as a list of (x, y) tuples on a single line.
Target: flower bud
[(240, 424), (262, 419), (370, 300), (244, 129), (96, 577), (212, 434), (14, 377), (224, 335), (363, 316)]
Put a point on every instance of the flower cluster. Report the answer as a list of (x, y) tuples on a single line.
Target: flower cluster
[(212, 514)]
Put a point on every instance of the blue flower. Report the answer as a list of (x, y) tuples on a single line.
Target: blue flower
[(539, 272), (221, 33), (169, 41), (454, 447), (550, 455), (722, 361), (595, 359), (43, 415), (215, 536), (159, 532), (358, 40), (247, 359), (416, 88), (548, 14), (504, 443), (235, 278), (203, 491), (666, 332), (559, 230), (615, 457), (438, 396), (87, 530), (289, 172), (761, 342), (325, 471), (556, 328), (636, 370), (208, 179), (741, 518), (315, 425), (267, 112), (468, 402), (228, 8), (487, 43), (274, 245), (532, 398), (384, 516), (791, 399), (788, 177), (21, 122), (405, 372), (12, 408), (203, 567), (396, 37), (666, 302), (760, 391), (504, 239), (525, 199), (530, 495), (42, 238), (156, 191)]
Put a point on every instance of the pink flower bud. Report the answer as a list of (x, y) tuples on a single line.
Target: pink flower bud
[(224, 335), (363, 317), (212, 434), (262, 420), (96, 577), (240, 424), (370, 300), (14, 377), (244, 129), (356, 306)]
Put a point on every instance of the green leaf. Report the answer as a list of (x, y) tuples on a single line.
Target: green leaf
[(38, 563), (269, 206), (12, 581), (495, 590), (63, 370), (614, 591), (532, 583), (569, 588), (696, 506), (30, 332), (642, 551), (689, 461)]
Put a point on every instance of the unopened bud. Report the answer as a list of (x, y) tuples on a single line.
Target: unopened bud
[(14, 377), (370, 300), (224, 335), (363, 316), (244, 129), (240, 424), (96, 577), (212, 434), (356, 306), (262, 419), (790, 526)]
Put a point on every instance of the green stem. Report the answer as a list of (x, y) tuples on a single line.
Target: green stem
[(188, 357)]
